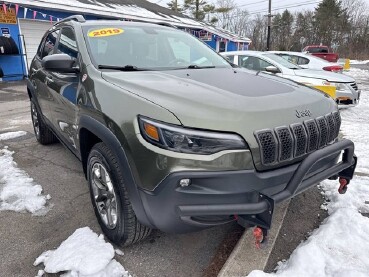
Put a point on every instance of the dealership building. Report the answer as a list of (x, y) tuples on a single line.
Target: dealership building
[(23, 23)]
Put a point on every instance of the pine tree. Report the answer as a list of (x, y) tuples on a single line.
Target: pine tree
[(330, 21), (173, 5), (196, 8)]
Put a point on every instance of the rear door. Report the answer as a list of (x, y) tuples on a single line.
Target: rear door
[(63, 90)]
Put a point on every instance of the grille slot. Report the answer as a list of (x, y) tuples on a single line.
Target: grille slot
[(337, 119), (268, 146), (354, 86), (331, 127), (323, 130), (300, 136), (286, 143), (313, 135)]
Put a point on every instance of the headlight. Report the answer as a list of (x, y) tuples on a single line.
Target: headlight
[(184, 140), (340, 86)]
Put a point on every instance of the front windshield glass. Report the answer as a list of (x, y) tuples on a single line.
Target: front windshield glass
[(148, 47), (282, 61)]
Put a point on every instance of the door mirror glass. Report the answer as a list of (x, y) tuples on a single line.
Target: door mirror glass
[(61, 63), (272, 69)]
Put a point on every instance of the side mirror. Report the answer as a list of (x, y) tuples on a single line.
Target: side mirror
[(272, 69), (61, 63)]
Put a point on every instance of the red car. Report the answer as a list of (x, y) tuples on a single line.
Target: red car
[(321, 51)]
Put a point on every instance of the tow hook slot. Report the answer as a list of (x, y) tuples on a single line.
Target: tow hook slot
[(260, 235), (261, 221), (345, 176), (343, 185)]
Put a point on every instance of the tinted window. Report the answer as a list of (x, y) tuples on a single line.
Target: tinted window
[(230, 58), (67, 43), (303, 61), (49, 44)]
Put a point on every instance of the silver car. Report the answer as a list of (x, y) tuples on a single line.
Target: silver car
[(347, 91)]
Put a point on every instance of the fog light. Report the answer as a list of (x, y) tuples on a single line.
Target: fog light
[(184, 182)]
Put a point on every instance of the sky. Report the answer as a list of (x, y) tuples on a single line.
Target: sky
[(261, 6)]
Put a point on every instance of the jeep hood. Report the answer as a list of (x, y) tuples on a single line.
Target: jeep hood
[(325, 75), (233, 100)]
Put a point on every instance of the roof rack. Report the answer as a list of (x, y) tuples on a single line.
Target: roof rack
[(77, 17), (167, 24)]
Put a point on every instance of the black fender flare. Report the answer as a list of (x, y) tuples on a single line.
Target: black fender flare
[(108, 137)]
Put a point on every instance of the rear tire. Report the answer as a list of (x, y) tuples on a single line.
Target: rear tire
[(42, 132), (110, 200)]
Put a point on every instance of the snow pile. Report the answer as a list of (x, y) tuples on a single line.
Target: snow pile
[(358, 62), (18, 192), (340, 246), (83, 254), (12, 135)]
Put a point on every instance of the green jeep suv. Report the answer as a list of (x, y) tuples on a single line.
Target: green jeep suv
[(170, 135)]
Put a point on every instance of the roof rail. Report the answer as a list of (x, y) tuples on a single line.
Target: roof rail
[(77, 17), (167, 24)]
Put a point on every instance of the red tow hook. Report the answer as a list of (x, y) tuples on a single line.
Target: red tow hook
[(260, 235), (343, 185)]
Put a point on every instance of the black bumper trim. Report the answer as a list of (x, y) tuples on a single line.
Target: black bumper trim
[(296, 184), (215, 198)]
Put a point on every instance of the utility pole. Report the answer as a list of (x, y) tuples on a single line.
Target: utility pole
[(176, 5), (269, 24)]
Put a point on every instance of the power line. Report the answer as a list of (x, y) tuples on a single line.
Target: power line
[(279, 8)]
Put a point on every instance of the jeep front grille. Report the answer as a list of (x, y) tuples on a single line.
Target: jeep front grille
[(287, 143)]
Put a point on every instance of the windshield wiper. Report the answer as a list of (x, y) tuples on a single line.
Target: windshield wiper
[(195, 66), (127, 67)]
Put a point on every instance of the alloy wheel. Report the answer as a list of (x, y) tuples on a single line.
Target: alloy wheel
[(104, 195)]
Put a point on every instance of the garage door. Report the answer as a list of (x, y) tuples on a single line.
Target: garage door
[(33, 31)]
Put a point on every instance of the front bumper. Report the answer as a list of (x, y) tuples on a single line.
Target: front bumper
[(348, 98), (215, 198)]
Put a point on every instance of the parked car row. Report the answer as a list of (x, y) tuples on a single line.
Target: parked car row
[(340, 87)]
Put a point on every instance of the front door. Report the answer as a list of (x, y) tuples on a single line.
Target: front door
[(63, 90), (39, 76)]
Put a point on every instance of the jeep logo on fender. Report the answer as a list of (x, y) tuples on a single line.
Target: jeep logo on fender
[(303, 113)]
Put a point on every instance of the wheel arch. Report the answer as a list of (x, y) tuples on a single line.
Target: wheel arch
[(92, 131)]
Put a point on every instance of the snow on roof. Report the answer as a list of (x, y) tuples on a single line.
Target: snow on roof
[(129, 9)]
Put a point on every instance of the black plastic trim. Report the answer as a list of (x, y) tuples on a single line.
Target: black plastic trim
[(102, 132)]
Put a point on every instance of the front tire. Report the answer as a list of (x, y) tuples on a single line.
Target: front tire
[(110, 200), (42, 132)]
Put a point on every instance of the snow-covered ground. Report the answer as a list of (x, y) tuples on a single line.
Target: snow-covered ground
[(18, 192), (358, 62), (340, 246), (83, 254)]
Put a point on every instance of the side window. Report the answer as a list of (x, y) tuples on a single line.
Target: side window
[(293, 59), (49, 44), (264, 64), (230, 58), (303, 61), (67, 43), (249, 62)]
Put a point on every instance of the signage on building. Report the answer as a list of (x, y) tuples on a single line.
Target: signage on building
[(9, 17), (5, 32), (205, 36)]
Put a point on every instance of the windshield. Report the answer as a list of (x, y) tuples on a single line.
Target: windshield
[(148, 47), (282, 61)]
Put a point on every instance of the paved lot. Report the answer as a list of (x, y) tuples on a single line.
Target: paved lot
[(24, 237)]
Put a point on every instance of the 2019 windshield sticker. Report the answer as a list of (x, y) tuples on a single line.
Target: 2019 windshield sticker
[(105, 32)]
